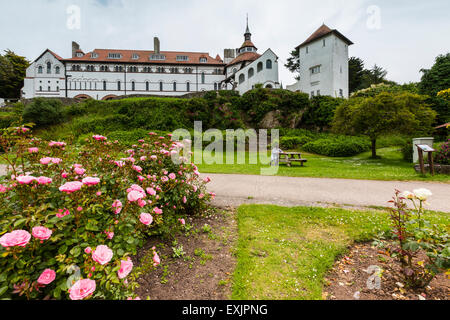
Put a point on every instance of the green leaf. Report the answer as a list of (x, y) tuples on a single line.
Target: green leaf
[(62, 249), (3, 290), (75, 251), (19, 222)]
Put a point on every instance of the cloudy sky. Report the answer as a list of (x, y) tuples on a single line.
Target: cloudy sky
[(402, 36)]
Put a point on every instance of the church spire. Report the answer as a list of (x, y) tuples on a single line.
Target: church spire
[(247, 34)]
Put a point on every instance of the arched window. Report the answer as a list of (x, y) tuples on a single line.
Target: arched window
[(40, 88), (251, 72), (241, 78), (160, 86), (259, 67), (104, 85), (133, 86), (174, 86), (49, 89), (57, 89), (40, 69), (203, 78), (269, 64), (147, 86), (234, 70), (49, 68), (57, 70), (188, 87), (118, 85)]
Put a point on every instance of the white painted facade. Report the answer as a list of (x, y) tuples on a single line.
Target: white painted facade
[(263, 70), (86, 76), (324, 66)]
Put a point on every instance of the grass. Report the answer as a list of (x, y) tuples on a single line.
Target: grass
[(390, 166), (284, 253)]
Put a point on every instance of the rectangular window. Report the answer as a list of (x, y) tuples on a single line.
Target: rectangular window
[(157, 57), (324, 42), (114, 56), (135, 56), (318, 92), (118, 85), (341, 93), (307, 50), (315, 70), (182, 58), (312, 93)]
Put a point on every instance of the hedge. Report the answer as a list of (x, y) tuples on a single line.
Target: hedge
[(338, 147)]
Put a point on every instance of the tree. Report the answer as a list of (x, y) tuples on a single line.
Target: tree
[(437, 78), (384, 113), (355, 73), (12, 73), (372, 76), (293, 63), (43, 112)]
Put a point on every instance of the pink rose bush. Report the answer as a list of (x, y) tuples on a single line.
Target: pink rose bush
[(93, 214)]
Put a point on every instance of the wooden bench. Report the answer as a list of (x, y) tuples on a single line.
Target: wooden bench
[(289, 157)]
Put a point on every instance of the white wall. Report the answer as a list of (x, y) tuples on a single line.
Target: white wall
[(34, 81), (264, 77)]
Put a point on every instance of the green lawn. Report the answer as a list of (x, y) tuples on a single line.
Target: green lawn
[(284, 253), (390, 166)]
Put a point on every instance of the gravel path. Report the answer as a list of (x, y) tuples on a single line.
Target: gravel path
[(233, 190)]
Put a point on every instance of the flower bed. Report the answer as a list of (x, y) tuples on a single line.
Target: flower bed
[(71, 218)]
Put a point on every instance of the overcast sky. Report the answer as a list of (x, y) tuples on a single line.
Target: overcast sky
[(402, 36)]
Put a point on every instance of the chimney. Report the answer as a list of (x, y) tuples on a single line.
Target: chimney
[(228, 55), (75, 47), (156, 45)]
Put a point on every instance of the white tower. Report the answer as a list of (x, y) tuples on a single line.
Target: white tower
[(324, 63)]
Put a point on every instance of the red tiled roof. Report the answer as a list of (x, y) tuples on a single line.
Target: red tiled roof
[(54, 54), (247, 56), (144, 57), (323, 31), (248, 43)]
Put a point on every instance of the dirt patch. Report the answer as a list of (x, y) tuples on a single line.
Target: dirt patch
[(195, 265), (348, 280)]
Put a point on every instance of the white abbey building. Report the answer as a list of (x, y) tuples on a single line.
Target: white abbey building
[(104, 74), (324, 64)]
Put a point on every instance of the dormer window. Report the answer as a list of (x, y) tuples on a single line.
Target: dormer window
[(135, 56), (159, 57), (203, 60), (114, 56), (182, 58), (94, 55)]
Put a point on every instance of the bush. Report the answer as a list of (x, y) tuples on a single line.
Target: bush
[(342, 146), (407, 151), (291, 143), (443, 153), (7, 119), (75, 204), (321, 112), (43, 112)]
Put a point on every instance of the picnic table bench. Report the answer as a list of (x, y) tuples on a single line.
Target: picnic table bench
[(289, 157)]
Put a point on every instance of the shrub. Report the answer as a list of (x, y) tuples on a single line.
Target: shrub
[(338, 147), (7, 119), (291, 143), (43, 112), (407, 151), (442, 155), (415, 234), (79, 214), (321, 112)]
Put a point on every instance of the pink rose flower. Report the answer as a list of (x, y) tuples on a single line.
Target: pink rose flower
[(99, 138), (117, 205), (88, 250), (146, 218), (56, 160), (125, 268), (44, 180), (151, 191), (15, 238), (90, 181), (82, 289), (62, 213), (3, 189), (41, 233), (47, 277), (79, 171), (172, 176), (201, 196), (184, 199), (79, 209), (137, 168), (164, 179), (182, 221), (110, 235), (64, 175), (156, 259), (141, 203), (102, 254), (45, 160), (70, 187), (157, 210), (25, 179), (33, 150), (135, 196)]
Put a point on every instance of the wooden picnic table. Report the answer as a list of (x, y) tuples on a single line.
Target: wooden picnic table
[(289, 157)]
